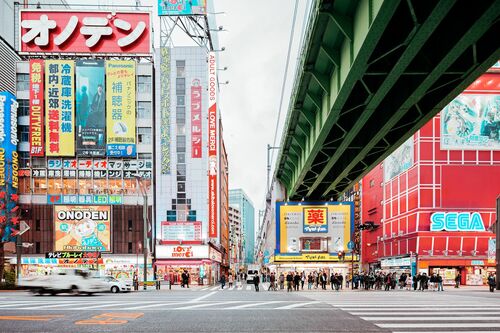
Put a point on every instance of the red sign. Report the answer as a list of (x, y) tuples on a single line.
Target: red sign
[(36, 108), (196, 127), (85, 32), (212, 146)]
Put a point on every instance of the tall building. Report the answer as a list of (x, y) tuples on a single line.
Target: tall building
[(235, 238), (187, 240), (430, 206), (239, 199)]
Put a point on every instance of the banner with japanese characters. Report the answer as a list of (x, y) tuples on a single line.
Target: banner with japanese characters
[(213, 224), (84, 32), (90, 108), (37, 127), (120, 103), (82, 228), (182, 7), (196, 124), (165, 110), (59, 103)]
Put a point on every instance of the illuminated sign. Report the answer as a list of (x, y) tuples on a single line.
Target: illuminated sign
[(455, 221), (212, 146), (316, 219), (182, 7)]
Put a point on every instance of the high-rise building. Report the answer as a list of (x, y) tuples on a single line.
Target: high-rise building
[(239, 200), (235, 238)]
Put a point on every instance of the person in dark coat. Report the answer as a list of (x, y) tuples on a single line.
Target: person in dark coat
[(492, 282), (289, 281), (256, 282), (222, 281), (296, 281)]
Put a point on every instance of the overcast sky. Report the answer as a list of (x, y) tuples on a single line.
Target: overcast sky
[(256, 47)]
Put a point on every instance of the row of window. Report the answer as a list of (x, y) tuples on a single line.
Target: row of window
[(180, 117), (143, 83)]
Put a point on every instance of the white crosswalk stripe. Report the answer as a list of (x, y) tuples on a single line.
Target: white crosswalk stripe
[(424, 315)]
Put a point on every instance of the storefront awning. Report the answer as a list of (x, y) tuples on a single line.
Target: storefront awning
[(182, 262)]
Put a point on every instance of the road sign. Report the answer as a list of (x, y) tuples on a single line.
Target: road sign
[(350, 245)]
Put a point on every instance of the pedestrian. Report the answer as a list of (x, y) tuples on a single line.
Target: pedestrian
[(157, 281), (302, 279), (230, 280), (136, 281), (282, 281), (388, 282), (332, 279), (347, 280), (492, 282), (439, 280), (457, 280), (341, 280), (272, 285), (296, 281), (323, 281), (408, 282), (309, 281), (432, 282), (289, 281), (256, 282), (416, 279), (222, 281)]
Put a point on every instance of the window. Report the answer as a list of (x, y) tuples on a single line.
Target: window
[(181, 100), (143, 84), (181, 187), (181, 143), (181, 158), (38, 162), (181, 129), (144, 110), (37, 225), (129, 247), (181, 197), (180, 86), (24, 158), (69, 186), (144, 135), (24, 133), (129, 225), (145, 156), (181, 178), (23, 82), (181, 68), (40, 186), (24, 107), (181, 170)]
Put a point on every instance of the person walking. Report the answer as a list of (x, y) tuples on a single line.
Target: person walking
[(309, 281), (323, 282), (439, 282), (492, 282), (230, 279), (256, 282), (136, 281), (222, 281), (302, 279), (416, 280), (282, 281), (457, 280), (296, 281), (272, 284), (289, 281), (341, 281), (332, 279)]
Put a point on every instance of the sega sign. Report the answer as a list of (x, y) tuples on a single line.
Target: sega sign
[(455, 221)]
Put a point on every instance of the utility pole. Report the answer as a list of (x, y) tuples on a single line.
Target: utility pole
[(145, 245), (269, 148)]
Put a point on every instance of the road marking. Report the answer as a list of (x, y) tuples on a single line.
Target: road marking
[(196, 306), (20, 304), (249, 287), (202, 297), (31, 318), (103, 305), (437, 318), (152, 305), (291, 306), (251, 305), (215, 288), (427, 313), (447, 325), (203, 289), (240, 288), (110, 319), (53, 306)]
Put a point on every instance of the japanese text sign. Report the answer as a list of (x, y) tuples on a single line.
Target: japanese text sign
[(196, 125), (36, 108), (315, 219), (85, 32), (212, 146)]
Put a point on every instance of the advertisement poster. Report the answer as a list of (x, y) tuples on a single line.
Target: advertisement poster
[(9, 167), (84, 32), (182, 7), (59, 103), (37, 127), (120, 106), (212, 146), (471, 122), (196, 125), (165, 110), (82, 228), (303, 227), (186, 232), (399, 161), (492, 248), (90, 108)]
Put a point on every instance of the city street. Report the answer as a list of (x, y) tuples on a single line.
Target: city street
[(210, 309)]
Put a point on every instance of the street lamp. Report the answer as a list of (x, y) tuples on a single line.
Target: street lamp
[(269, 148), (143, 188)]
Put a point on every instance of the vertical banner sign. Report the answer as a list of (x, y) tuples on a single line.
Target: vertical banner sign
[(9, 167), (120, 102), (196, 126), (59, 103), (212, 145), (36, 108), (165, 110), (90, 108)]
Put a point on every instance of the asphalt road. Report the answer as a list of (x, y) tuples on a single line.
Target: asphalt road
[(242, 310)]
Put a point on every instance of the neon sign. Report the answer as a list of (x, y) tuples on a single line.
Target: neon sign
[(455, 221)]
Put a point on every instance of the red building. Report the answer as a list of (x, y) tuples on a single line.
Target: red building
[(450, 166)]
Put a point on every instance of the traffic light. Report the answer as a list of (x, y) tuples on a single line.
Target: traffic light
[(341, 255)]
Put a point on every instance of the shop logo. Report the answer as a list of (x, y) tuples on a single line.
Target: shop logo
[(182, 252), (315, 219), (454, 221)]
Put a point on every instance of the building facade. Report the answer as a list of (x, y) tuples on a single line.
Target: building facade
[(432, 202), (239, 200), (235, 239)]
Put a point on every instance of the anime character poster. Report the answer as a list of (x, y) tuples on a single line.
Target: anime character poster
[(82, 228), (400, 160)]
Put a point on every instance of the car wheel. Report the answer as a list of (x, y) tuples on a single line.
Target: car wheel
[(74, 290), (115, 289)]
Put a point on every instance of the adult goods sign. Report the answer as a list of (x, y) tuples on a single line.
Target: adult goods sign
[(212, 146)]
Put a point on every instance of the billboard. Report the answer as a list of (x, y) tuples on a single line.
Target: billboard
[(182, 7), (399, 161), (212, 146), (9, 167), (184, 232), (59, 103), (165, 110), (79, 32), (313, 231), (36, 108), (90, 108), (82, 228), (120, 103), (196, 125), (471, 122)]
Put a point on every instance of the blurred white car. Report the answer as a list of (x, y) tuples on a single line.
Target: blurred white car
[(74, 281), (115, 285)]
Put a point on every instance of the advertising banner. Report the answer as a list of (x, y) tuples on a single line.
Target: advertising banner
[(322, 228), (120, 103), (165, 110), (85, 32), (185, 232), (90, 108), (472, 120), (9, 167), (37, 144), (59, 103), (182, 7), (212, 146), (196, 125), (492, 247), (82, 228), (399, 161), (182, 251)]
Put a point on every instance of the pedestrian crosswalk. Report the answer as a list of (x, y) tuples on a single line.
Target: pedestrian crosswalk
[(240, 287), (425, 315)]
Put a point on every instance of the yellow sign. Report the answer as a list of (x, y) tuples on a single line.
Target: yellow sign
[(316, 219), (60, 106), (309, 257), (120, 106)]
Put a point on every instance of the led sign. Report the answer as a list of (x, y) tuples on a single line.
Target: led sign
[(455, 221)]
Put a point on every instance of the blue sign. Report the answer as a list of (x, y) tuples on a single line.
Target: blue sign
[(182, 7), (350, 245), (455, 221)]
